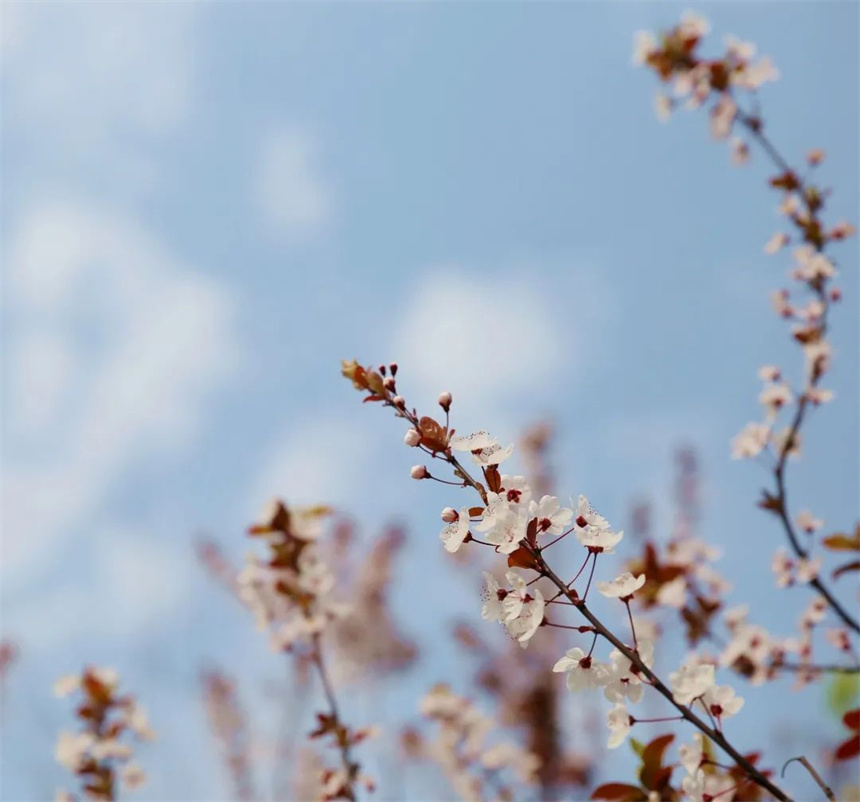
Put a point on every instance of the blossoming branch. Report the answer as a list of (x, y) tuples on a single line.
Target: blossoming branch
[(100, 753), (512, 522)]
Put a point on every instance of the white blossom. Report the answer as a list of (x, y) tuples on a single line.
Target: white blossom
[(622, 587), (624, 682), (673, 593), (618, 720), (552, 518), (72, 749), (691, 682), (454, 533), (583, 673), (691, 756), (750, 441), (722, 701)]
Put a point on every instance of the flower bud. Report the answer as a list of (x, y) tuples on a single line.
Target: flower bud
[(388, 384), (419, 472), (399, 401), (445, 401), (412, 438), (449, 515), (393, 368)]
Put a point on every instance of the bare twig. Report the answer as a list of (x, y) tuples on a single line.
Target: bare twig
[(828, 792)]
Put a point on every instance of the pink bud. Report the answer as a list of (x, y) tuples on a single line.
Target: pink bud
[(412, 438), (388, 384), (449, 515), (445, 401), (399, 401), (419, 472)]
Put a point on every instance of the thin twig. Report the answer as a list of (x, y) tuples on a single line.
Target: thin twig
[(828, 792)]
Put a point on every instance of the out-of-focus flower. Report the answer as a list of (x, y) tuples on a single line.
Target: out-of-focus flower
[(751, 441), (691, 682)]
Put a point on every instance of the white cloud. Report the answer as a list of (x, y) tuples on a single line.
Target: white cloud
[(83, 73), (145, 581), (491, 340), (312, 462), (140, 342), (291, 189)]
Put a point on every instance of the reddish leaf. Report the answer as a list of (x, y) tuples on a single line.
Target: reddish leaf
[(770, 502), (433, 435), (852, 719), (372, 398), (843, 542), (475, 512), (531, 532), (522, 559), (652, 761), (848, 749), (493, 477), (787, 181), (844, 569), (620, 792)]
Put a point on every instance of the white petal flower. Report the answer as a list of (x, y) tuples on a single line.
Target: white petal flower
[(691, 682), (505, 524), (516, 596), (599, 540), (492, 609), (67, 685), (109, 677), (454, 533), (751, 441), (622, 587), (775, 396), (583, 673), (515, 490), (807, 570), (782, 565), (552, 518), (722, 701), (72, 748), (644, 44), (673, 593), (691, 756), (132, 776), (618, 720), (530, 617), (492, 455), (110, 748), (624, 682), (694, 786), (477, 441), (586, 516)]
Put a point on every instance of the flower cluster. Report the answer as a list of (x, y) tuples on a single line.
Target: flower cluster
[(290, 594), (676, 59), (516, 607), (100, 753), (460, 747), (289, 591), (696, 81), (512, 522)]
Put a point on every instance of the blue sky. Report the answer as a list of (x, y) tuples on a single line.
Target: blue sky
[(206, 207)]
